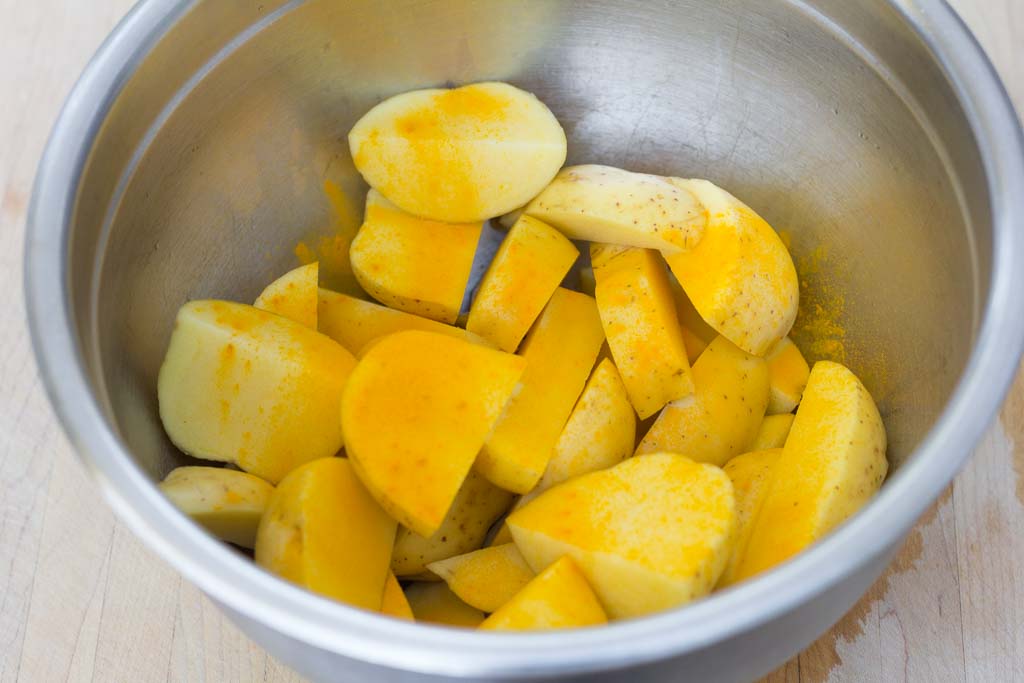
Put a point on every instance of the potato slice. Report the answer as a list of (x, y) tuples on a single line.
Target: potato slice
[(697, 334), (740, 276), (460, 155), (773, 432), (245, 386), (293, 295), (477, 506), (832, 464), (638, 312), (417, 410), (751, 476), (559, 352), (559, 597), (613, 206), (527, 268), (653, 532), (413, 264), (787, 376), (721, 419), (227, 503), (486, 578), (394, 602), (435, 603), (324, 531)]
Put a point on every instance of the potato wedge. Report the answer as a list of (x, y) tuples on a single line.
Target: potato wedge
[(751, 476), (721, 419), (651, 533), (227, 503), (293, 295), (609, 205), (416, 412), (740, 276), (787, 376), (559, 353), (460, 155), (413, 264), (559, 597), (527, 268), (638, 312), (394, 602), (245, 386), (832, 464), (773, 432), (697, 334), (434, 603), (324, 531), (485, 578)]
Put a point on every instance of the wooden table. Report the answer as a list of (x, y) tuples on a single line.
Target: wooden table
[(82, 599)]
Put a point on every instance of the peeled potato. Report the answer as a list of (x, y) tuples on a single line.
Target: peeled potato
[(413, 264), (739, 276), (416, 412), (722, 417), (435, 603), (245, 386), (613, 206), (486, 578), (227, 503), (293, 295), (460, 155), (832, 464), (787, 376), (394, 602), (324, 531), (751, 476), (559, 597), (651, 533), (773, 432)]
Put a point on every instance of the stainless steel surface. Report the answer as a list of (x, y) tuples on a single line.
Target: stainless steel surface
[(191, 156)]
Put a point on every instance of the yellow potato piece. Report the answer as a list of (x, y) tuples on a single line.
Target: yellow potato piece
[(486, 578), (501, 536), (787, 376), (435, 603), (559, 597), (227, 503), (460, 155), (697, 334), (751, 476), (417, 410), (639, 316), (559, 353), (740, 276), (527, 268), (293, 295), (773, 432), (413, 264), (355, 323), (613, 206), (245, 386), (651, 533), (324, 531), (832, 464), (394, 602), (723, 416), (477, 506)]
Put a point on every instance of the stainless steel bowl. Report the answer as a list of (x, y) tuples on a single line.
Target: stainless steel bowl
[(190, 157)]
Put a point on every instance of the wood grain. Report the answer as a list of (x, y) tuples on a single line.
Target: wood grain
[(81, 599)]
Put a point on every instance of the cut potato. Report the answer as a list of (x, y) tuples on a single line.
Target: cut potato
[(697, 334), (559, 353), (477, 506), (530, 263), (227, 503), (722, 418), (461, 155), (434, 603), (739, 277), (413, 264), (613, 206), (501, 536), (394, 602), (832, 463), (638, 312), (751, 476), (773, 432), (651, 533), (486, 578), (355, 323), (787, 376), (293, 295), (249, 387), (417, 410), (559, 597), (324, 531)]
